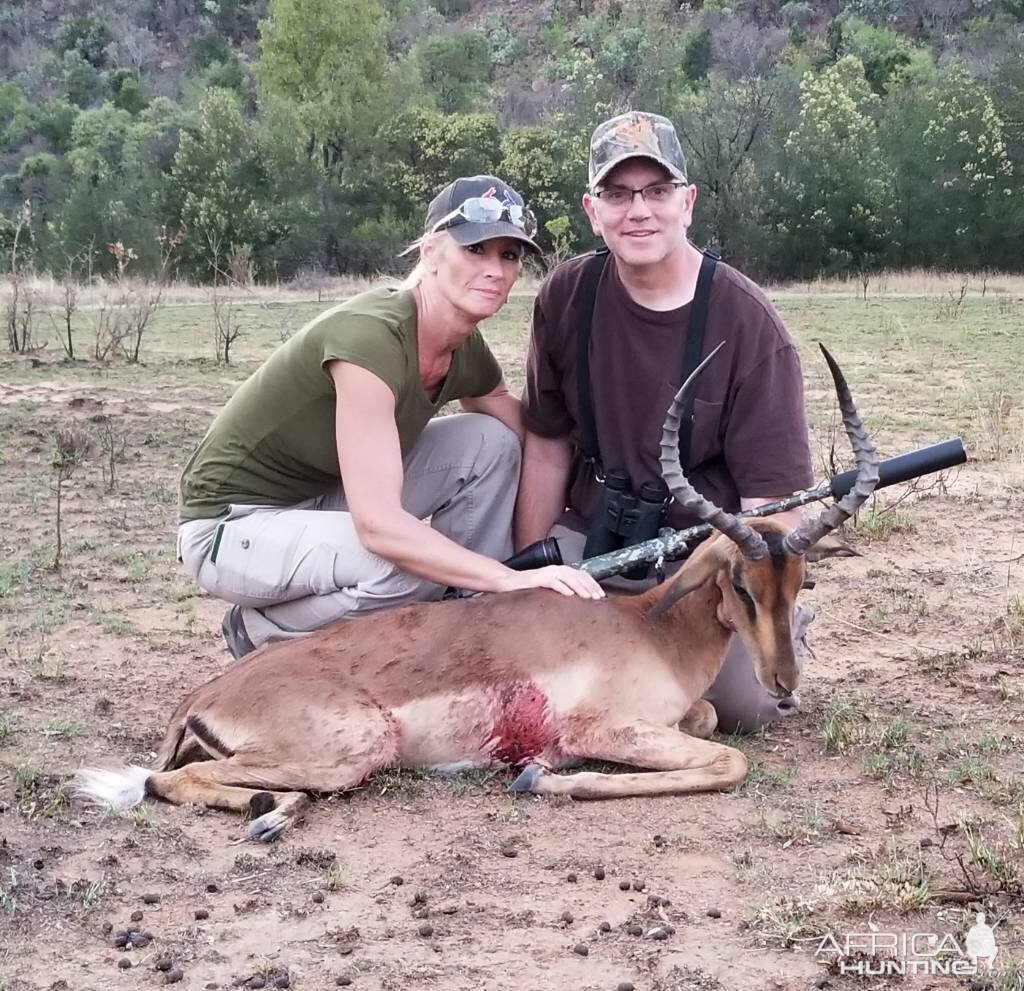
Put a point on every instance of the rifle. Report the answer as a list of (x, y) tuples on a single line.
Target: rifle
[(677, 544)]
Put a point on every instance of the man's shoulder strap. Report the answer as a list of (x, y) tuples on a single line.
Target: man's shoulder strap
[(694, 346), (591, 277)]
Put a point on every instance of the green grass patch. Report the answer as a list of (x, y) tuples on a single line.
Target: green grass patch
[(63, 729), (841, 724)]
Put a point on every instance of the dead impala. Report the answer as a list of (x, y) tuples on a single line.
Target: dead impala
[(530, 679)]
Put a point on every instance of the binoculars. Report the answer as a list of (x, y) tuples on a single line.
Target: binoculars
[(624, 519)]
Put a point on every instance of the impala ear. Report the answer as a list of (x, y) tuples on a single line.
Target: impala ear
[(691, 577), (830, 546)]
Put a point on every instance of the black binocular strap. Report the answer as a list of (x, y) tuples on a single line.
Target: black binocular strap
[(691, 352)]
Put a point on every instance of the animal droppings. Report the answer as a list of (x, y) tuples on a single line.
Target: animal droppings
[(659, 932), (318, 897), (623, 886), (581, 950), (639, 885), (653, 901), (714, 913), (624, 986), (38, 865), (150, 899), (174, 976), (257, 982), (567, 918), (633, 929), (136, 916), (107, 928), (605, 927), (164, 963), (398, 880), (343, 981), (425, 929), (509, 851), (124, 963), (212, 888), (571, 878), (599, 873), (201, 914), (284, 981)]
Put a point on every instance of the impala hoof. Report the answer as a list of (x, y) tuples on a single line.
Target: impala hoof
[(267, 827), (527, 780)]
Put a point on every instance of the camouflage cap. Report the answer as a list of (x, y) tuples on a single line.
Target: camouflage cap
[(635, 135)]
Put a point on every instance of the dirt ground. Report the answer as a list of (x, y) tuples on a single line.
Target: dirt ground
[(893, 802)]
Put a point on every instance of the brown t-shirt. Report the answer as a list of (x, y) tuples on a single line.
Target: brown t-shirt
[(749, 433)]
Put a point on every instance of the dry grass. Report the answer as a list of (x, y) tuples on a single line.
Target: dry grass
[(48, 293), (910, 282), (317, 288)]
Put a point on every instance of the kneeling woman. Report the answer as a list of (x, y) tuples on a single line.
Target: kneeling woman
[(307, 500)]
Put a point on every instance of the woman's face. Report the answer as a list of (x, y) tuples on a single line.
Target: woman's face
[(475, 278)]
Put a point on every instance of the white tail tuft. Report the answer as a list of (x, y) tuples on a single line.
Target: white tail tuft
[(119, 788)]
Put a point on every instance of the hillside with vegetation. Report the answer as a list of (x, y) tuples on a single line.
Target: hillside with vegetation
[(266, 138)]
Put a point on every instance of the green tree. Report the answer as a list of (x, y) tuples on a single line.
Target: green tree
[(83, 84), (379, 206), (882, 51), (696, 62), (421, 150), (834, 190), (724, 127), (454, 67), (973, 191), (119, 187), (547, 163), (125, 91), (87, 35), (223, 188), (328, 58)]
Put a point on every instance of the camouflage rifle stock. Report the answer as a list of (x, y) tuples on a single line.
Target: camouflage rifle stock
[(677, 544)]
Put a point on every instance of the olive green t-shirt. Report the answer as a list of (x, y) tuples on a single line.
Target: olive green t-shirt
[(274, 442)]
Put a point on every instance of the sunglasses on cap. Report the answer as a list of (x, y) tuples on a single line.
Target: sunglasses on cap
[(488, 210)]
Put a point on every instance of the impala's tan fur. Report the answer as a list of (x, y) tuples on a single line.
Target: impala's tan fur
[(452, 683)]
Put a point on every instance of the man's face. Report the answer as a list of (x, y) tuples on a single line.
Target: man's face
[(643, 231)]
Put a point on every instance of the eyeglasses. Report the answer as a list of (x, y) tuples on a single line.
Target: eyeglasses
[(621, 196), (488, 210)]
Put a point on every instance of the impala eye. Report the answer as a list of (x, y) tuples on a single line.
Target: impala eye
[(745, 597)]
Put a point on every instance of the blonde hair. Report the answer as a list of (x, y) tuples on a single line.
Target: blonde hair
[(415, 277)]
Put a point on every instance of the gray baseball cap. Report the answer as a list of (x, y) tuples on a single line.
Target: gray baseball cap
[(635, 134), (445, 205)]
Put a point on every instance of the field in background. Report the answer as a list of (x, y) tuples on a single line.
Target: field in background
[(894, 801)]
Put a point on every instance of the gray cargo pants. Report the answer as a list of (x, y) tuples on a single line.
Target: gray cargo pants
[(741, 702), (299, 568)]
